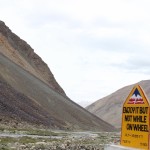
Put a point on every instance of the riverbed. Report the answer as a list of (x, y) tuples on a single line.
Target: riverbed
[(61, 140)]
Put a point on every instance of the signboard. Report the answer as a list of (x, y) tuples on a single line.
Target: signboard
[(135, 120)]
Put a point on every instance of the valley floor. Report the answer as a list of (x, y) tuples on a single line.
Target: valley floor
[(39, 139)]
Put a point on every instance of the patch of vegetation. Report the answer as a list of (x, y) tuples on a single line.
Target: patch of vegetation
[(103, 137), (1, 129), (4, 147), (25, 140), (6, 140), (41, 133)]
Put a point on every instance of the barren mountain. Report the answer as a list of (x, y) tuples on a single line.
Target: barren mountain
[(109, 108), (22, 54), (30, 94)]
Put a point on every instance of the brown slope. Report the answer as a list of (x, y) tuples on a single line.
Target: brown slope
[(55, 105), (16, 108), (21, 53), (109, 108), (34, 95)]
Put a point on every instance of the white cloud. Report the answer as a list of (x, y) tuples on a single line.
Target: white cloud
[(92, 47)]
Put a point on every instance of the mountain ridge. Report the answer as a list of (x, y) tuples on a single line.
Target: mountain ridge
[(109, 108), (27, 97), (28, 59)]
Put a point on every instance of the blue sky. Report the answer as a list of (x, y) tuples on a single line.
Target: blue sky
[(93, 47)]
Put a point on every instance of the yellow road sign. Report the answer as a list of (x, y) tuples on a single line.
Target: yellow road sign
[(135, 120)]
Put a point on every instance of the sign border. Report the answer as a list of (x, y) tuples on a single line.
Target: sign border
[(148, 103)]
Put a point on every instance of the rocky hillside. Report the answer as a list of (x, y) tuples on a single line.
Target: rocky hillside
[(15, 107), (109, 108), (29, 94), (21, 53)]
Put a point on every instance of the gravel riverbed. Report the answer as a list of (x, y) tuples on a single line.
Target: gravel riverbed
[(61, 141)]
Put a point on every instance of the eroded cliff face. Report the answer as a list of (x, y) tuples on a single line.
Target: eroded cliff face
[(22, 54)]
